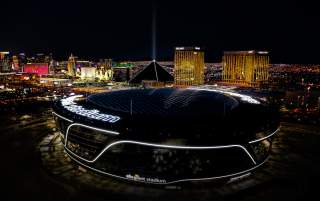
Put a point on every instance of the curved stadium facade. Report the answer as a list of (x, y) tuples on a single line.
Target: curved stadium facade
[(164, 136)]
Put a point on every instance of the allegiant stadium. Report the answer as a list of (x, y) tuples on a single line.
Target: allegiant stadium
[(167, 135)]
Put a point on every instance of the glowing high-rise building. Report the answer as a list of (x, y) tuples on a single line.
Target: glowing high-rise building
[(71, 66), (88, 73), (5, 62), (104, 70), (15, 63), (188, 66), (247, 68)]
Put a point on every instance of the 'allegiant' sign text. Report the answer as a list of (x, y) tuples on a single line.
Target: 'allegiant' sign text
[(70, 105)]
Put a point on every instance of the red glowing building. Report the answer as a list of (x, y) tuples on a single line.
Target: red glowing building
[(38, 68)]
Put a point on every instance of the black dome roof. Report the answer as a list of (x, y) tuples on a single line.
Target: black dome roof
[(187, 116), (190, 114), (165, 102)]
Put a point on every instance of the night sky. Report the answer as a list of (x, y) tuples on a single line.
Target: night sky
[(122, 29)]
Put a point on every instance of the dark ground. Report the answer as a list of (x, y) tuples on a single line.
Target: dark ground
[(32, 172)]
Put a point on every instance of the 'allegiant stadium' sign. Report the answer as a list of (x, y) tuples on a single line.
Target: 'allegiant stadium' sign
[(145, 179), (70, 105)]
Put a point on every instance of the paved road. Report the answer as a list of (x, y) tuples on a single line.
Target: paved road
[(29, 171)]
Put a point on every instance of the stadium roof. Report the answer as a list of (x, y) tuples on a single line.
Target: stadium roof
[(195, 116), (165, 102)]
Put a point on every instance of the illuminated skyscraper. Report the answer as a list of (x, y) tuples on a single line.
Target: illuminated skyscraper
[(88, 73), (18, 62), (22, 61), (188, 66), (5, 62), (71, 66), (107, 63), (15, 63), (104, 70), (248, 68)]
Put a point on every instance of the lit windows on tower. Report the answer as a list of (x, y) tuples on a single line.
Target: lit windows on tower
[(5, 62), (71, 66), (189, 66), (248, 68)]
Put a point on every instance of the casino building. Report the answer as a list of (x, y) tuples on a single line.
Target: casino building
[(167, 135), (247, 68), (188, 66)]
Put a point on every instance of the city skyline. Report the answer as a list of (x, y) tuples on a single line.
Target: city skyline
[(123, 29), (159, 100)]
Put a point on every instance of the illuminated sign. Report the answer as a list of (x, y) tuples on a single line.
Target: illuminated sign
[(70, 105), (129, 177), (145, 179)]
